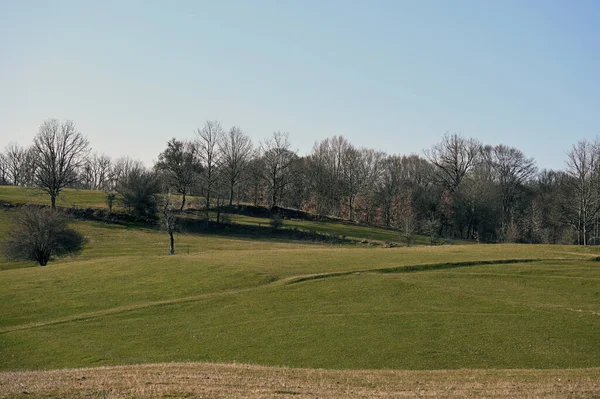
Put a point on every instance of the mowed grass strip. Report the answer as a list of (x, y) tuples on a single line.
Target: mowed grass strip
[(251, 381)]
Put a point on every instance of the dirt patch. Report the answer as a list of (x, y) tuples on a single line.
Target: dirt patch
[(195, 380)]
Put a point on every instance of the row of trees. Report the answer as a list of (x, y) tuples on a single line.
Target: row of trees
[(458, 188)]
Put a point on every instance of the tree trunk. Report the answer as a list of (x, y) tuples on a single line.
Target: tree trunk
[(231, 196), (207, 205), (52, 202), (182, 201), (172, 243)]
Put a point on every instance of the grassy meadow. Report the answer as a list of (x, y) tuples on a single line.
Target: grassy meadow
[(124, 301)]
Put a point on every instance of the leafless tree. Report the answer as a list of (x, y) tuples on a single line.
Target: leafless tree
[(582, 165), (277, 157), (60, 152), (208, 139), (453, 157), (236, 151), (29, 169), (15, 158), (121, 169), (327, 164), (255, 185), (390, 187), (356, 174), (96, 172), (512, 170), (39, 234), (374, 162), (180, 166), (168, 218), (3, 170), (319, 176)]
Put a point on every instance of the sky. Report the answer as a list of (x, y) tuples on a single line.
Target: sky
[(390, 75)]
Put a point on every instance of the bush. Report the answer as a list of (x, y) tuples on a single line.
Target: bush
[(40, 234), (137, 191)]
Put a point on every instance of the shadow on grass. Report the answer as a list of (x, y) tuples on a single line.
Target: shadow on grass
[(256, 232), (414, 268)]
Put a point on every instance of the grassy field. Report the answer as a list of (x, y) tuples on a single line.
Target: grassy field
[(124, 301)]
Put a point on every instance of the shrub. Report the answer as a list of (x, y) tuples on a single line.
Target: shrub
[(137, 191), (40, 234)]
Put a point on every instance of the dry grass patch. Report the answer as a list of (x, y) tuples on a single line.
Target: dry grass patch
[(206, 380)]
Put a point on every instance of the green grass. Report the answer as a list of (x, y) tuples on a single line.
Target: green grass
[(123, 301), (350, 230), (68, 198)]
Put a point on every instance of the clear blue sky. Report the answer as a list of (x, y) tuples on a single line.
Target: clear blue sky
[(388, 75)]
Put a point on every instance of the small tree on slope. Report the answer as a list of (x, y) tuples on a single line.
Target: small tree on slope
[(40, 234)]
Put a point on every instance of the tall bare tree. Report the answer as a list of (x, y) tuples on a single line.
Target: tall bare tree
[(121, 169), (96, 172), (3, 170), (582, 165), (208, 150), (180, 166), (355, 175), (453, 157), (236, 152), (277, 158), (15, 158), (60, 151), (168, 218), (512, 170), (29, 168)]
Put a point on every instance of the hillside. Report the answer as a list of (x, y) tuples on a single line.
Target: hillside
[(71, 198), (226, 299)]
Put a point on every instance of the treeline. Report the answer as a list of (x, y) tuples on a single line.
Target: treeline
[(458, 188)]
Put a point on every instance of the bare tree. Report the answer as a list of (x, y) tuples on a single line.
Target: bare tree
[(121, 169), (236, 151), (512, 170), (256, 182), (39, 234), (208, 139), (453, 157), (168, 218), (277, 157), (3, 170), (60, 149), (96, 172), (374, 162), (180, 166), (582, 166), (390, 186), (29, 167), (15, 158)]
